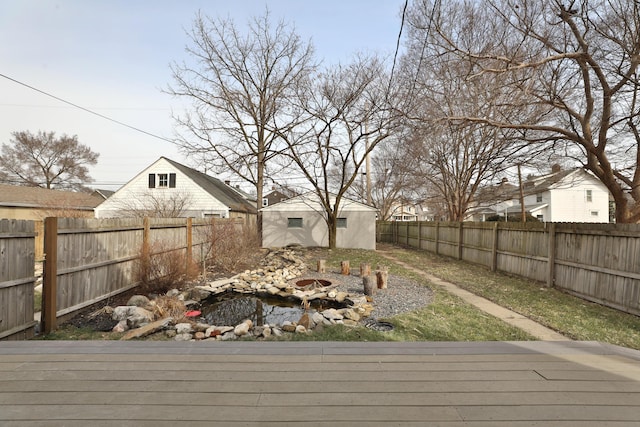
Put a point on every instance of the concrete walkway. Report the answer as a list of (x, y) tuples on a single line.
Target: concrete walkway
[(511, 317)]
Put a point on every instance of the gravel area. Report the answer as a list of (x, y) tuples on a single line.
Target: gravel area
[(402, 295)]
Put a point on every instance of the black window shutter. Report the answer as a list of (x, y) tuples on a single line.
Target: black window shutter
[(172, 180), (152, 180)]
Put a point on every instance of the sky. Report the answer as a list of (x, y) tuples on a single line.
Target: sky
[(113, 58)]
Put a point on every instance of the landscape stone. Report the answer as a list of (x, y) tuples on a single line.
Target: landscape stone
[(183, 328), (183, 337), (139, 301)]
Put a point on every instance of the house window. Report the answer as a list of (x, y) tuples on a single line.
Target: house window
[(589, 195), (294, 222), (539, 198), (265, 202), (163, 180), (540, 217), (341, 223), (594, 213)]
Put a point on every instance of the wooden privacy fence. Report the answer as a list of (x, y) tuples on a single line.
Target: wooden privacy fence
[(597, 262), (89, 260), (17, 265)]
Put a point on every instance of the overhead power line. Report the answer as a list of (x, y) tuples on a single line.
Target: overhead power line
[(86, 109)]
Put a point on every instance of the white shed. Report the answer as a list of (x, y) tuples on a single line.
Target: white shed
[(301, 220)]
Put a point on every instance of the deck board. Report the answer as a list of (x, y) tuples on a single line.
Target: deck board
[(318, 384)]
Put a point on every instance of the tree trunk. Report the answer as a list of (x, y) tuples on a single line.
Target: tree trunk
[(367, 283), (344, 268), (382, 276)]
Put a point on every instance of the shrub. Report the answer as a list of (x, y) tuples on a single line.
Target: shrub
[(231, 244), (160, 267)]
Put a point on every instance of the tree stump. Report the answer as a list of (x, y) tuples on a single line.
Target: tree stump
[(367, 283), (322, 266), (365, 269), (382, 276), (345, 269)]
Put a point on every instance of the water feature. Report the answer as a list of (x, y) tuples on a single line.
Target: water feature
[(231, 308)]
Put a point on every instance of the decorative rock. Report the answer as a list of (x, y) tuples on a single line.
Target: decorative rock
[(172, 293), (170, 333), (199, 336), (120, 327), (243, 328), (139, 316), (288, 327), (317, 318), (227, 337), (341, 296), (277, 332), (332, 314), (300, 329), (266, 331), (183, 337), (351, 314), (138, 301), (183, 328)]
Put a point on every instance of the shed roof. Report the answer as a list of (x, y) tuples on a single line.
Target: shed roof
[(310, 202)]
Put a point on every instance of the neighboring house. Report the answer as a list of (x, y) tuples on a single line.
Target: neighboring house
[(572, 195), (411, 212), (35, 203), (168, 188), (276, 196), (103, 194), (301, 220)]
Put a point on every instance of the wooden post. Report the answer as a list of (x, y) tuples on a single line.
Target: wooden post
[(50, 275), (382, 276), (189, 244), (365, 269), (367, 283), (494, 248), (406, 231), (551, 260), (420, 235), (322, 266), (460, 240), (344, 267), (437, 236)]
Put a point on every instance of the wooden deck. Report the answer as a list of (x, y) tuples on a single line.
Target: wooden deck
[(106, 383)]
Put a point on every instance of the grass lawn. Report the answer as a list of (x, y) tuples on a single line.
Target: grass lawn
[(448, 318)]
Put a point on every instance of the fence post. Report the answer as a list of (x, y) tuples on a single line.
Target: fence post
[(437, 237), (551, 255), (460, 238), (406, 230), (189, 244), (494, 247), (50, 275), (420, 235)]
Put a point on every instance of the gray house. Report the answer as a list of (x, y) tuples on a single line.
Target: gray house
[(301, 220)]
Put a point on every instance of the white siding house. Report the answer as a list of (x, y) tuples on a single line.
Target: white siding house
[(168, 188), (301, 220), (562, 196)]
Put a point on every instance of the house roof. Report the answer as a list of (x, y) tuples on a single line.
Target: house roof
[(36, 197), (216, 188)]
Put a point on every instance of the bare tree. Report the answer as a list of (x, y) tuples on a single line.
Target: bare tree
[(240, 89), (347, 116), (42, 160), (393, 180), (155, 205), (572, 69)]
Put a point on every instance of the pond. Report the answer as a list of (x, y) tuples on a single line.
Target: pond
[(231, 308)]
